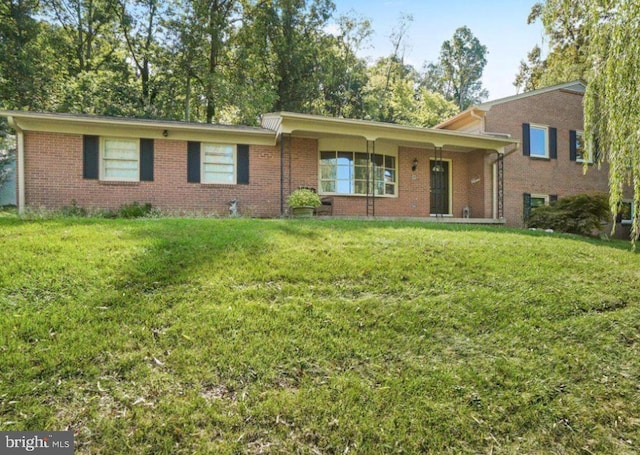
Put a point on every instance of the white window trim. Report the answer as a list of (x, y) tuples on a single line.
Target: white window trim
[(386, 153), (235, 164), (450, 208), (546, 140), (103, 139), (580, 160), (629, 221), (539, 196)]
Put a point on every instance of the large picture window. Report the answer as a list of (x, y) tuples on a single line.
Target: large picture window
[(218, 163), (120, 159), (357, 173)]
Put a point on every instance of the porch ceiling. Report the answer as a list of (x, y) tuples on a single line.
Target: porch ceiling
[(304, 125)]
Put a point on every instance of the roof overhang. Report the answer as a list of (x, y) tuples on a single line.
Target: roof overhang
[(152, 129), (313, 126)]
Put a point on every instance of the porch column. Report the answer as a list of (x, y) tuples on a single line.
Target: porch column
[(500, 189)]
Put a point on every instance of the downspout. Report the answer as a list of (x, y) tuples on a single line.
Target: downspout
[(281, 174), (20, 147)]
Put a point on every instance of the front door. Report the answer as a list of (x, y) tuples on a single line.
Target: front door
[(439, 187)]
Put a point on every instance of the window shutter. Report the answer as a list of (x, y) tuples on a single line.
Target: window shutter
[(193, 162), (573, 137), (243, 164), (553, 143), (526, 205), (526, 140), (553, 198), (146, 160), (90, 157)]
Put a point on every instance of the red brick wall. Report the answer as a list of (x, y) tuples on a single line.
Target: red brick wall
[(557, 109), (53, 164)]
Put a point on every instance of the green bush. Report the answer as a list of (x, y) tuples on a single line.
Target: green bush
[(73, 210), (580, 214), (134, 210), (304, 198)]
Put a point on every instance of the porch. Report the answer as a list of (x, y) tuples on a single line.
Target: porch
[(383, 171)]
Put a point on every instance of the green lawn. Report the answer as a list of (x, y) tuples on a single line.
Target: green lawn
[(318, 337)]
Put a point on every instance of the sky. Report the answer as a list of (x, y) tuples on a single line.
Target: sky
[(501, 25)]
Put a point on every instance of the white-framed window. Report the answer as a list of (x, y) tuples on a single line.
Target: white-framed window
[(218, 163), (538, 200), (625, 213), (539, 141), (582, 156), (120, 159), (358, 173)]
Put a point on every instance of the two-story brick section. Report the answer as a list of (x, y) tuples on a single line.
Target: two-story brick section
[(550, 163)]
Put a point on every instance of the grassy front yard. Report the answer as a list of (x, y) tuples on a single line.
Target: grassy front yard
[(249, 336)]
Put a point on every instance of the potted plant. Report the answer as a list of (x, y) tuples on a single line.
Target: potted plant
[(302, 202)]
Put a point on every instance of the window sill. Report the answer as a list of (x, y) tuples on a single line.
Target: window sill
[(540, 158), (378, 196), (119, 183), (448, 215)]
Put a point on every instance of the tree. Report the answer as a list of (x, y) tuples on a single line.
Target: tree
[(612, 99), (531, 71), (564, 24), (459, 70), (24, 75)]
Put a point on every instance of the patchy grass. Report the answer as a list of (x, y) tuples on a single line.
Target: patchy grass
[(247, 336)]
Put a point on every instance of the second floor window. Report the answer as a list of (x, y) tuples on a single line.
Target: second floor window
[(539, 140)]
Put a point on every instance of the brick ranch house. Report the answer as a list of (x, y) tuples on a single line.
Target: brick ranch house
[(366, 168)]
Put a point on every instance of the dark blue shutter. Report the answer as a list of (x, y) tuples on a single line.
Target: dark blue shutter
[(90, 157), (526, 205), (146, 160), (526, 140), (573, 137), (193, 162), (553, 143), (243, 164)]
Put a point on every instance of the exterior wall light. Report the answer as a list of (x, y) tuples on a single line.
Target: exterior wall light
[(414, 165)]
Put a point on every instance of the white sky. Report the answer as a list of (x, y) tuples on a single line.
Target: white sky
[(499, 25)]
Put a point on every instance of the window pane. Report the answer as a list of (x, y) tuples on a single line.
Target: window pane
[(538, 138), (361, 159), (390, 162), (219, 168), (580, 151), (537, 201), (378, 160), (328, 186), (389, 176), (120, 159), (360, 172), (344, 187), (361, 187), (218, 163), (327, 171), (390, 189), (328, 157)]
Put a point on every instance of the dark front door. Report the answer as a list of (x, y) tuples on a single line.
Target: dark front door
[(439, 187)]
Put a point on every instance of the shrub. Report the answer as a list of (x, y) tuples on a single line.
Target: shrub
[(73, 210), (134, 210), (580, 214), (304, 198)]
